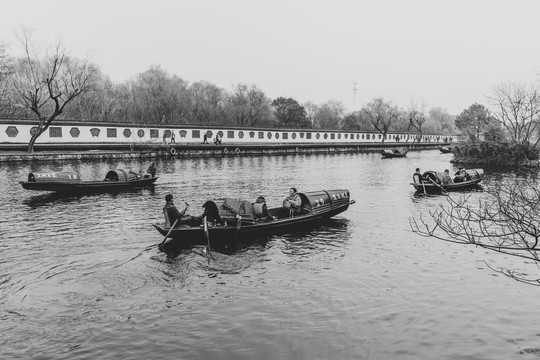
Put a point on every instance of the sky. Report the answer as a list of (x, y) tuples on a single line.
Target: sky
[(437, 53)]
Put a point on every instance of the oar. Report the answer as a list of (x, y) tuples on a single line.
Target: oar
[(169, 233), (446, 192), (208, 255), (238, 225)]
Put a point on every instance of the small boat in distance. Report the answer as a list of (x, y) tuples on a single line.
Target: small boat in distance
[(231, 220), (393, 153), (446, 149), (433, 183), (70, 182)]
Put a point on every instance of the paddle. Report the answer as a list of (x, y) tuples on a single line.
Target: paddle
[(169, 233), (238, 225), (446, 192), (208, 255)]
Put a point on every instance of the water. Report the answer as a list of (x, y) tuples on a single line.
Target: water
[(77, 283)]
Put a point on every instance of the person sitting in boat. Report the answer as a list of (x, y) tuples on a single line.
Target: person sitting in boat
[(261, 210), (173, 214), (293, 202), (446, 178), (417, 177), (461, 175), (151, 171)]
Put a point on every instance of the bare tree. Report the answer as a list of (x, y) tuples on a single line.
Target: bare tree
[(249, 105), (311, 110), (160, 97), (382, 115), (504, 219), (47, 85), (517, 108), (417, 117), (330, 115), (206, 103)]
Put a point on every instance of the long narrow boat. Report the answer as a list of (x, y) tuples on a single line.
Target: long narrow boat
[(69, 182), (388, 153), (432, 182), (237, 222)]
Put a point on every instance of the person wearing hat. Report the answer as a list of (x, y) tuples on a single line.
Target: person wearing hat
[(261, 210)]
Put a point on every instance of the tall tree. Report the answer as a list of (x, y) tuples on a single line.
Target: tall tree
[(46, 85), (473, 120), (443, 122), (206, 103), (160, 97), (417, 118), (249, 106), (381, 115), (517, 109), (356, 121), (329, 115), (290, 113)]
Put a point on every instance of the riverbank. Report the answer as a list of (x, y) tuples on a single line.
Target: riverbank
[(199, 150)]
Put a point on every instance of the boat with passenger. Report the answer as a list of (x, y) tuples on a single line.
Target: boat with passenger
[(434, 182), (226, 221), (69, 182), (394, 153), (446, 149)]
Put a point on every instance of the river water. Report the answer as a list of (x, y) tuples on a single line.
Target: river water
[(79, 281)]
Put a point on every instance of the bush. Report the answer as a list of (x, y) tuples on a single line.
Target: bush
[(494, 152)]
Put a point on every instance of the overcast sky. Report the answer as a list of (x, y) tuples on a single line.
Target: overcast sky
[(442, 53)]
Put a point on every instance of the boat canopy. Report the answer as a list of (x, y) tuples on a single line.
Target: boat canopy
[(229, 208), (437, 176), (121, 175), (321, 201), (62, 177), (314, 201)]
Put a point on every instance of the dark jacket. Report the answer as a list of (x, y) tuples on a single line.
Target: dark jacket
[(172, 212)]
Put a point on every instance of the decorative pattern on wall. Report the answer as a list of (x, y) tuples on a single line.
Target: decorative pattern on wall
[(74, 132), (95, 132), (12, 131)]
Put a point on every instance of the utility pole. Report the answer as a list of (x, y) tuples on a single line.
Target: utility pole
[(354, 96)]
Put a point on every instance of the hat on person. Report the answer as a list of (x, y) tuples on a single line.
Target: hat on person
[(260, 199)]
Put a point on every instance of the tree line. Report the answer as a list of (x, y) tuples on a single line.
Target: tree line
[(50, 84)]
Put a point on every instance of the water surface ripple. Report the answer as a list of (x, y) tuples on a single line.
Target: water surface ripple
[(78, 281)]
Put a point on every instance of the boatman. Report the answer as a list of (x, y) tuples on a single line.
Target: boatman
[(151, 170), (173, 214), (417, 176)]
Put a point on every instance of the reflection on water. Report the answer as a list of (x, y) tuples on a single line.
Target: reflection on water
[(81, 276)]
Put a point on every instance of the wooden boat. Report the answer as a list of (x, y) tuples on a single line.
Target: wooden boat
[(446, 149), (393, 153), (118, 179), (433, 182), (229, 223)]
